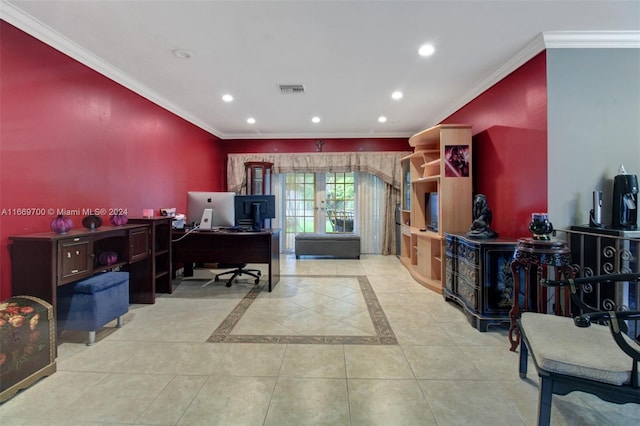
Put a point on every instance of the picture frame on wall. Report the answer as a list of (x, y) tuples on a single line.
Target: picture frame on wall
[(456, 159)]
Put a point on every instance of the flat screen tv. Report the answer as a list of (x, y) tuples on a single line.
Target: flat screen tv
[(251, 210), (222, 205), (431, 210)]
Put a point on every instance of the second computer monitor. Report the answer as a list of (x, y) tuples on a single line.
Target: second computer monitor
[(252, 210)]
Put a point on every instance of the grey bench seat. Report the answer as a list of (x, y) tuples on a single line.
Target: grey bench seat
[(336, 245)]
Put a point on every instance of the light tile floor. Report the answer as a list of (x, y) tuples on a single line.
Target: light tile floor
[(162, 369)]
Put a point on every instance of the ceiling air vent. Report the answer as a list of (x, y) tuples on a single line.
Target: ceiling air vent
[(289, 89)]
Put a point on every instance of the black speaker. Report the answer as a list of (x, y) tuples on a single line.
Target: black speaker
[(625, 202)]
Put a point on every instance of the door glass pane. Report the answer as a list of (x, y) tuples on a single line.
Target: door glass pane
[(300, 202), (340, 202), (257, 181)]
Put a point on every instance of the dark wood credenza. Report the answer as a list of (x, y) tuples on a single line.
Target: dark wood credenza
[(42, 262), (478, 278)]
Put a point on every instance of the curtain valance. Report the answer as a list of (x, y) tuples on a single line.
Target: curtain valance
[(385, 165)]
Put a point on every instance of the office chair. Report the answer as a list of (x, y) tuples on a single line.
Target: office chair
[(238, 271)]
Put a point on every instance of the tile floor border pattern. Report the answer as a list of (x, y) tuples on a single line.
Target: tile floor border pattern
[(384, 333)]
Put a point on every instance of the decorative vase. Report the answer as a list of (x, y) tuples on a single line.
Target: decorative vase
[(61, 224), (92, 222), (118, 219), (108, 258), (540, 226)]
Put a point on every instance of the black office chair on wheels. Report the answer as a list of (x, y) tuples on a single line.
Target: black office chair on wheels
[(238, 271)]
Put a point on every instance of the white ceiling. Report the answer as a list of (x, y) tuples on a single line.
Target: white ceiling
[(349, 55)]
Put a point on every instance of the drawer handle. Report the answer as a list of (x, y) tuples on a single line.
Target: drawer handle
[(77, 252), (74, 271), (76, 239), (68, 255)]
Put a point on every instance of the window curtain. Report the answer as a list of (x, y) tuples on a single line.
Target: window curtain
[(370, 199), (383, 165)]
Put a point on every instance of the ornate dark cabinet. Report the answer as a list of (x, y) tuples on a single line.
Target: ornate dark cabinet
[(478, 278)]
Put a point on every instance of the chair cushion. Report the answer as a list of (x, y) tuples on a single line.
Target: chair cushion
[(558, 346)]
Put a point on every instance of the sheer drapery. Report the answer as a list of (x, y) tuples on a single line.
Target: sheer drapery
[(370, 210), (375, 199)]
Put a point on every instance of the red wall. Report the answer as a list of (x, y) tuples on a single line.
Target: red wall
[(72, 139), (510, 146)]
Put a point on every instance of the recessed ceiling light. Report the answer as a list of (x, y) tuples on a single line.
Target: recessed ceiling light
[(181, 53), (251, 120), (397, 95), (426, 50), (227, 98), (382, 119), (316, 119)]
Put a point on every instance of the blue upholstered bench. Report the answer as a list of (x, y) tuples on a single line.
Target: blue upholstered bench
[(89, 304)]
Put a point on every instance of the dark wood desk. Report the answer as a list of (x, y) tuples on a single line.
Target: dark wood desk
[(42, 262), (228, 247)]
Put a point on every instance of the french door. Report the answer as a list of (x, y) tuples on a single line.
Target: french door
[(319, 203)]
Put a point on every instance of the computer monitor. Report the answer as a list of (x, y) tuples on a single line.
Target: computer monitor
[(251, 210), (221, 204)]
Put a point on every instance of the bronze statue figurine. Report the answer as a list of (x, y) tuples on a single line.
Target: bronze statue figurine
[(481, 226)]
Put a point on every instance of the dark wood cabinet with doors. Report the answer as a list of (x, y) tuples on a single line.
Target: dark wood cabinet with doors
[(42, 262), (258, 175), (159, 271), (478, 277)]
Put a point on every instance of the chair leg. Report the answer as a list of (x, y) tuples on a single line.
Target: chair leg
[(233, 277), (120, 321), (524, 359), (544, 401), (92, 338), (252, 272), (217, 278)]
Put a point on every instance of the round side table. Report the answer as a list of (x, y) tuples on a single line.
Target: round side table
[(542, 259)]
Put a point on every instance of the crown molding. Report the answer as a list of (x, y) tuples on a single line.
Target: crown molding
[(531, 49), (302, 135), (45, 34), (591, 40), (543, 41)]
